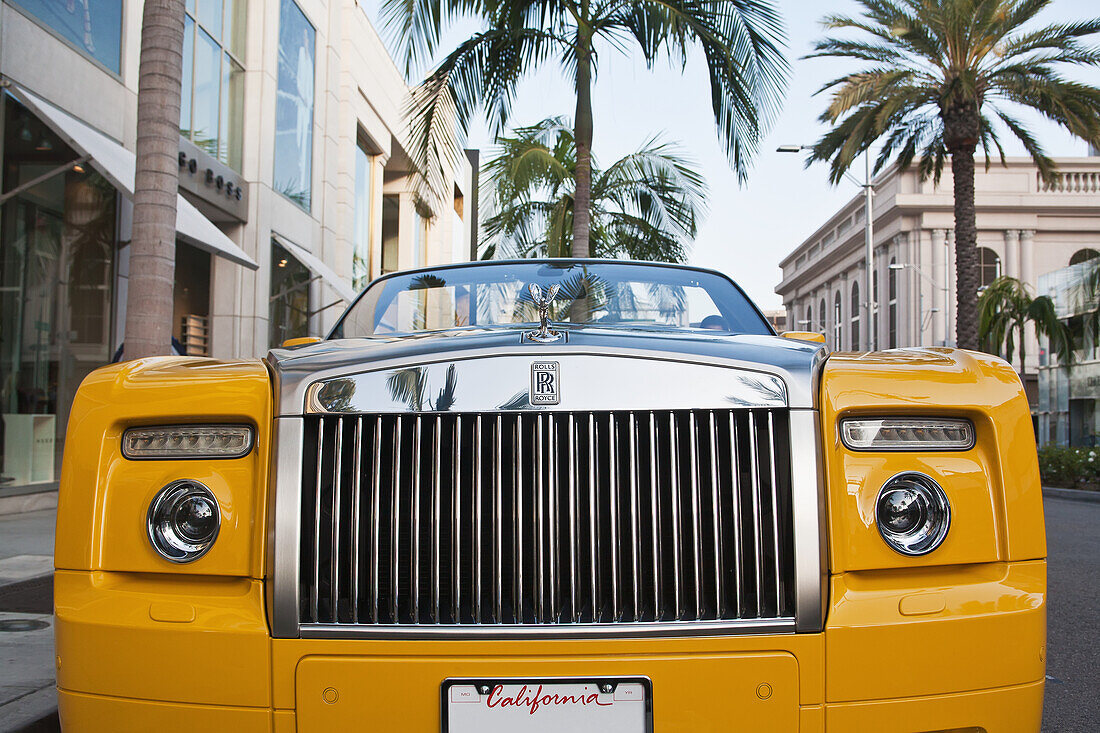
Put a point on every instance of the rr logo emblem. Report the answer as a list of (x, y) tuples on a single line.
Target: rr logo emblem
[(544, 383)]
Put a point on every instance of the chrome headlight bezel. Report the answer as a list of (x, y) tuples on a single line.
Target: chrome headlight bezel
[(907, 433), (163, 530), (933, 509), (185, 441)]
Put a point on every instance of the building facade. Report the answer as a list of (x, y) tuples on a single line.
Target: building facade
[(295, 190), (1025, 228), (1068, 398)]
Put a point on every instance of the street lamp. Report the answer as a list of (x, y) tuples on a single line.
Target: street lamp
[(920, 294), (868, 235)]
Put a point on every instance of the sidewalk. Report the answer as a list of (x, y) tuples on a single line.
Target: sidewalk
[(28, 701)]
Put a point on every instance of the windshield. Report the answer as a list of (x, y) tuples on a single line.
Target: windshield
[(626, 295)]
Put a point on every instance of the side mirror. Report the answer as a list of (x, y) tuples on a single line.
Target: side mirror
[(804, 336), (303, 340)]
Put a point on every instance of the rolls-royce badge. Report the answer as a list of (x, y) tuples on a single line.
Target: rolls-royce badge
[(545, 388)]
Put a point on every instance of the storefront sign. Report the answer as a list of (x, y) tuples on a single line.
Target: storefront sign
[(215, 183)]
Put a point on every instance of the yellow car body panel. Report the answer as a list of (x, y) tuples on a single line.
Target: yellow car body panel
[(103, 491), (146, 644)]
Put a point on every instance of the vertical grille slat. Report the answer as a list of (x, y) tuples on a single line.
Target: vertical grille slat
[(716, 518), (593, 520), (356, 485), (414, 534), (696, 521), (738, 527), (571, 470), (758, 542), (503, 519), (677, 539), (655, 503), (635, 550), (475, 538), (517, 522), (498, 523), (334, 520), (540, 521), (612, 456), (395, 521), (456, 522)]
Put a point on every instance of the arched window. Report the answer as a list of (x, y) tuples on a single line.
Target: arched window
[(838, 324), (989, 265), (821, 317), (808, 325), (855, 316), (892, 285), (1083, 255)]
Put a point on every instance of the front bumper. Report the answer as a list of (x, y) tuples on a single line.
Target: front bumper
[(901, 652)]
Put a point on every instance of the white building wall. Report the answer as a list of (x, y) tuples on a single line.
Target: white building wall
[(1031, 227), (356, 87)]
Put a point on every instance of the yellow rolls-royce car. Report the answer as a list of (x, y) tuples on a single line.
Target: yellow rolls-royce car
[(557, 495)]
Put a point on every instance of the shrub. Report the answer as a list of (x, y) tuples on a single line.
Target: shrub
[(1067, 467)]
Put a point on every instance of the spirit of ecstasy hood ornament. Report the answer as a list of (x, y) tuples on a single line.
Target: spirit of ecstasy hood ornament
[(542, 299)]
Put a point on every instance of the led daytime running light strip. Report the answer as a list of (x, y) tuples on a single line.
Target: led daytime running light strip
[(907, 433), (187, 441)]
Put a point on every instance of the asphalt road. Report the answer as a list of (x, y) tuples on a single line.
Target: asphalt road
[(1073, 617)]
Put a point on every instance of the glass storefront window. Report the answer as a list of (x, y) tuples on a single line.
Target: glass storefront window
[(207, 85), (212, 100), (231, 148), (289, 312), (364, 196), (93, 27), (294, 106), (58, 241), (391, 210)]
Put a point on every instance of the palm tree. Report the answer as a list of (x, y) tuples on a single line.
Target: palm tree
[(645, 206), (937, 78), (740, 41), (1005, 308), (156, 181)]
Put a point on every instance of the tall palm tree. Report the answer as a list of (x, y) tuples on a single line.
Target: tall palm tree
[(740, 41), (1005, 308), (156, 181), (645, 206), (938, 77)]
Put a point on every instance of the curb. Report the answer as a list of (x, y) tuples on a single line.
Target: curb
[(1090, 497), (28, 502), (32, 713)]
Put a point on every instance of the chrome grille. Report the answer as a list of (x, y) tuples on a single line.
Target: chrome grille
[(443, 519)]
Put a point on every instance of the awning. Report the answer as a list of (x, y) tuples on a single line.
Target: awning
[(117, 165), (319, 268)]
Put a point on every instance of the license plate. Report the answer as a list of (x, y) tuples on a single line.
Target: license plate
[(552, 705)]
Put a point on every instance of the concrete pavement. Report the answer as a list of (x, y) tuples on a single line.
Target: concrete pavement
[(28, 701)]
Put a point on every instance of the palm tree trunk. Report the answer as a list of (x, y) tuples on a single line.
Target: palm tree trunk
[(153, 248), (582, 133), (1023, 347), (961, 138)]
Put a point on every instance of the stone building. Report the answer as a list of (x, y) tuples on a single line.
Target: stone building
[(295, 190), (1025, 229)]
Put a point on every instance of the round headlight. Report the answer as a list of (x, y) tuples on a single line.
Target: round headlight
[(912, 514), (183, 521)]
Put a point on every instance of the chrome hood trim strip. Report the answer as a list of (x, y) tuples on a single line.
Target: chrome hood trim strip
[(590, 383)]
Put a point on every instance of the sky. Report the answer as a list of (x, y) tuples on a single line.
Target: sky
[(749, 228)]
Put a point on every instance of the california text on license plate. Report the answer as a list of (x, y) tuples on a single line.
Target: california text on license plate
[(550, 705)]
